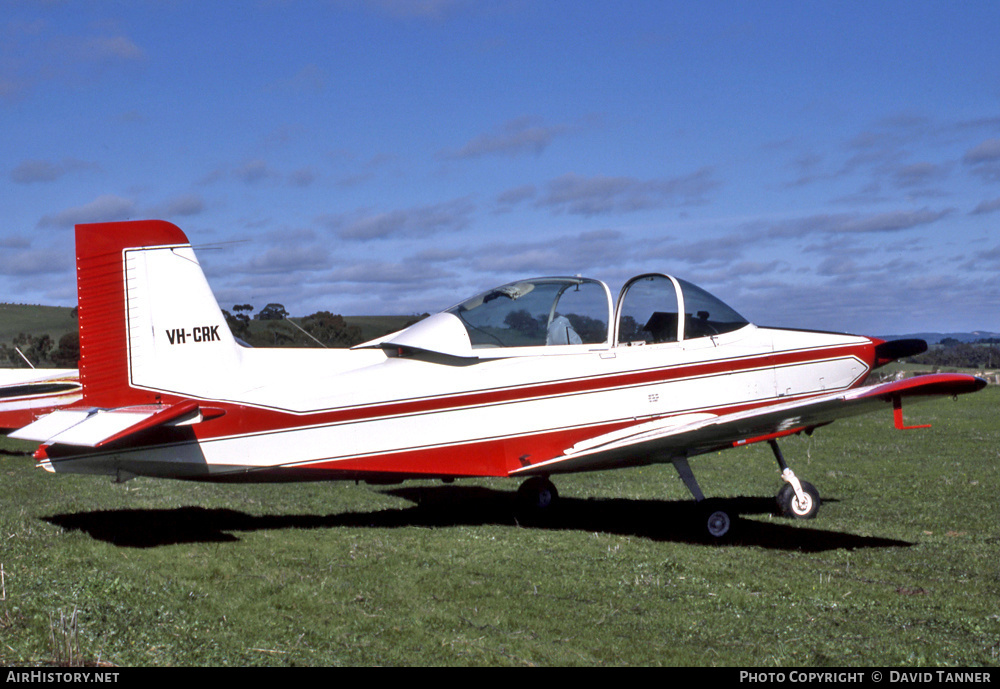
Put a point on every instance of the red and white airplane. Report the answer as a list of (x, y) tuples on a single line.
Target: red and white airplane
[(531, 379)]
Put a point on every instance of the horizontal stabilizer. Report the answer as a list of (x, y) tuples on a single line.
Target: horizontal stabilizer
[(98, 427), (51, 425)]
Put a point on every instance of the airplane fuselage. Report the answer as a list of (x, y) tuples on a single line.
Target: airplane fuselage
[(384, 415)]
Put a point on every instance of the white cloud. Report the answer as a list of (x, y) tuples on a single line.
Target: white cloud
[(984, 160), (850, 223), (990, 206), (419, 221), (109, 48), (599, 194), (290, 258), (106, 208), (525, 135), (986, 152), (254, 171), (185, 205), (35, 171)]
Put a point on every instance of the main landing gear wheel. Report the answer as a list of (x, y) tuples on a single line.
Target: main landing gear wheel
[(717, 521), (789, 505), (537, 495)]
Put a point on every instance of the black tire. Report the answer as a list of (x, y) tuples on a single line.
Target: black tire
[(718, 522), (788, 504), (537, 495)]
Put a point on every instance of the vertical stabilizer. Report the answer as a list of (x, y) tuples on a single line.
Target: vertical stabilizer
[(149, 324)]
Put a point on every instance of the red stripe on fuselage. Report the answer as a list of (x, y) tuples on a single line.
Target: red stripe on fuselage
[(243, 419)]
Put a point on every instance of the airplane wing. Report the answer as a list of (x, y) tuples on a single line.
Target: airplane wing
[(692, 434)]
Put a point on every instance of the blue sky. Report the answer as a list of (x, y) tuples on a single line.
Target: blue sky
[(831, 165)]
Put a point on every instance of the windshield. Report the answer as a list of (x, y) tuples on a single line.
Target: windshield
[(705, 314), (532, 313), (655, 309)]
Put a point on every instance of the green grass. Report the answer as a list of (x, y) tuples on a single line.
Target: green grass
[(902, 566)]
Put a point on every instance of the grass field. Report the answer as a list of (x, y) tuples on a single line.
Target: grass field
[(902, 566)]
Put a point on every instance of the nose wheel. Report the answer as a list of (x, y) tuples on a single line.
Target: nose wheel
[(796, 499), (790, 504)]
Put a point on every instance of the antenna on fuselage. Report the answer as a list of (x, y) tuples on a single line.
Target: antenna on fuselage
[(308, 334), (18, 350)]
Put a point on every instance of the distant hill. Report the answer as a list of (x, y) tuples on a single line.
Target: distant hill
[(377, 326), (31, 319), (935, 338), (56, 321)]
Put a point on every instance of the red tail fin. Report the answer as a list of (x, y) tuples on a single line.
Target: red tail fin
[(102, 307)]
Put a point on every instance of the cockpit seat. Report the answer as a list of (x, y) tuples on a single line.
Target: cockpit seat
[(561, 332)]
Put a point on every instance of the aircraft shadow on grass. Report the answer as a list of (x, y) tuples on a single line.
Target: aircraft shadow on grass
[(447, 506)]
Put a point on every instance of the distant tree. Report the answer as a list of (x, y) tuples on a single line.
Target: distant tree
[(590, 330), (331, 329), (67, 354), (273, 312), (629, 330), (35, 348), (242, 313), (523, 322), (9, 358), (960, 355), (281, 335), (239, 323)]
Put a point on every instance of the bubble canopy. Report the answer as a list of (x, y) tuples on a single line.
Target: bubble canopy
[(560, 312)]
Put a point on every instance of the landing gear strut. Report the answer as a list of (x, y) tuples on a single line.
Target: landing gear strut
[(796, 499), (716, 519)]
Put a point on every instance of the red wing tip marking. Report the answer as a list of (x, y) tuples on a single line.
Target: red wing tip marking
[(932, 384)]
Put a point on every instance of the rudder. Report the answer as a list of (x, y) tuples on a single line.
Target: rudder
[(150, 326)]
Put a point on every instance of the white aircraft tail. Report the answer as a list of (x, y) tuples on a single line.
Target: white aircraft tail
[(150, 326)]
